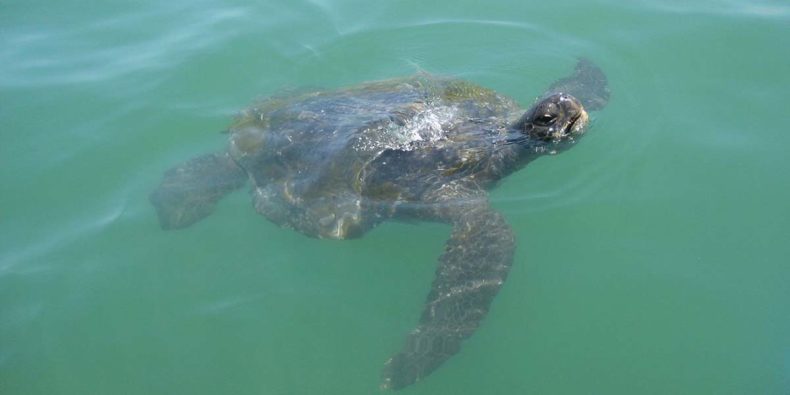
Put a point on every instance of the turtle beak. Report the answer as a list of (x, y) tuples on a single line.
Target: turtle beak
[(578, 125)]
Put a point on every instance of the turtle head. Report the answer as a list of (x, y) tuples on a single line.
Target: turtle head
[(556, 118)]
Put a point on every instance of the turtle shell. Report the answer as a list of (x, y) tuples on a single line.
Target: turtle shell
[(308, 153)]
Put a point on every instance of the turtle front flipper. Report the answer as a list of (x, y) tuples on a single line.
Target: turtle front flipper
[(588, 83), (471, 271), (191, 190)]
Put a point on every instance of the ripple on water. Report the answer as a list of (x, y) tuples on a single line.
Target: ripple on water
[(112, 48), (759, 8), (27, 257)]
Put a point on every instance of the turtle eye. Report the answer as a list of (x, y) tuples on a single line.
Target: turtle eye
[(545, 120)]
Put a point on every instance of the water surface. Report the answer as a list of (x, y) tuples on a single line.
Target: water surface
[(652, 257)]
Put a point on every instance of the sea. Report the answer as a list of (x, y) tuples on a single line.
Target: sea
[(652, 258)]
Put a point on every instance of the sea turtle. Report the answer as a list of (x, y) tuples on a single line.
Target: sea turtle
[(333, 164)]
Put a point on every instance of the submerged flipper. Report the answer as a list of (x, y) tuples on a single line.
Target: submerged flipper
[(471, 271), (191, 190), (588, 84)]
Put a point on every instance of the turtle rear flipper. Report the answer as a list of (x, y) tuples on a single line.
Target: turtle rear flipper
[(191, 190), (471, 271)]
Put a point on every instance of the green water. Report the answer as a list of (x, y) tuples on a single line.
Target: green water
[(652, 258)]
